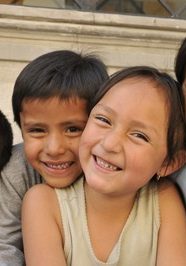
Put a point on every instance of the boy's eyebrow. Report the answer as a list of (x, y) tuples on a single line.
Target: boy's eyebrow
[(28, 124), (65, 123)]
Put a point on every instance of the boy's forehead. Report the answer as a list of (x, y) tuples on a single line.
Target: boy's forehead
[(54, 106), (59, 99), (53, 113)]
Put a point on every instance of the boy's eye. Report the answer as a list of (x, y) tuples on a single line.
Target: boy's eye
[(74, 129), (36, 132)]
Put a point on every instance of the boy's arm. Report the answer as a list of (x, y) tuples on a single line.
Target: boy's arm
[(172, 235), (10, 225), (15, 180), (42, 228)]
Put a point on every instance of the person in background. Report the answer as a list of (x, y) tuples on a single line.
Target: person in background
[(6, 140), (124, 211), (180, 71), (50, 102)]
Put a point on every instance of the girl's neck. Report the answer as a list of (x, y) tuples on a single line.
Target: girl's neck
[(108, 204), (106, 218)]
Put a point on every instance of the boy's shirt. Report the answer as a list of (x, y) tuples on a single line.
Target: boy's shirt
[(16, 178)]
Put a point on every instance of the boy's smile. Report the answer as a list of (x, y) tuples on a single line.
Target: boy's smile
[(51, 131)]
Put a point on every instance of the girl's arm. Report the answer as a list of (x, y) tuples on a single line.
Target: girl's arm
[(42, 228), (172, 235)]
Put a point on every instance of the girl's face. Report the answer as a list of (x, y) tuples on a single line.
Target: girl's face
[(124, 143)]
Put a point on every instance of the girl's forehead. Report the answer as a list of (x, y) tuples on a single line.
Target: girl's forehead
[(135, 85), (136, 80), (140, 85), (139, 92), (135, 90)]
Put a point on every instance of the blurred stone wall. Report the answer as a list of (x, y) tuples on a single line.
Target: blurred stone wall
[(120, 41)]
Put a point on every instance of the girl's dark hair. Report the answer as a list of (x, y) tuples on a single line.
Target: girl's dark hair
[(6, 139), (63, 74), (176, 137), (180, 63)]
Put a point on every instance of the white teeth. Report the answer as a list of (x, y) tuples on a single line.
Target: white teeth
[(58, 166), (105, 164)]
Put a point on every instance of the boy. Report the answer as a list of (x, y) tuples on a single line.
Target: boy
[(50, 104), (6, 139)]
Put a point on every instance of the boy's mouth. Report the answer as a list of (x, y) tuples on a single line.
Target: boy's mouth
[(59, 166), (105, 164)]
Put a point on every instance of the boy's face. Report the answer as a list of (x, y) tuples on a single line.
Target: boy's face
[(51, 131)]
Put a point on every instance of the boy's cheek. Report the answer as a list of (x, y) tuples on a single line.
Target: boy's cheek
[(24, 133), (31, 148), (73, 145)]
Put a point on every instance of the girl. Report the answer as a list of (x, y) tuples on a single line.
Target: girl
[(124, 212)]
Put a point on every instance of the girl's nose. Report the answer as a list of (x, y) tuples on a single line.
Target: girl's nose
[(112, 142)]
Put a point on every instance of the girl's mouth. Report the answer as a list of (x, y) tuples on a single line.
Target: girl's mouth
[(106, 165)]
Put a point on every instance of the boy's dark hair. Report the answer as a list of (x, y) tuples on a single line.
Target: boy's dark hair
[(63, 73), (180, 63), (6, 139), (176, 135)]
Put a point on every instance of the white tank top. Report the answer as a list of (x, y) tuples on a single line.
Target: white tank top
[(137, 245)]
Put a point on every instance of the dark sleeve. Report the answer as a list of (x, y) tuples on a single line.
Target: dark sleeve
[(179, 178), (16, 178)]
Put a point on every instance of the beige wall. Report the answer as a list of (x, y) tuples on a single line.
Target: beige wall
[(121, 41)]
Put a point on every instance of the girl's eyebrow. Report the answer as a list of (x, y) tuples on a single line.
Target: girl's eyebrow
[(134, 122), (144, 126), (105, 108)]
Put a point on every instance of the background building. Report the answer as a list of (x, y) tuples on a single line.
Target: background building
[(123, 33)]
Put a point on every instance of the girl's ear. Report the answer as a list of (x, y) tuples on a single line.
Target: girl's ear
[(174, 165)]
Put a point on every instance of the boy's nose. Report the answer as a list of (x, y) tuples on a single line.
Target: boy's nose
[(55, 145)]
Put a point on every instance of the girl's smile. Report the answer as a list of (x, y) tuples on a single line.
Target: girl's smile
[(124, 142)]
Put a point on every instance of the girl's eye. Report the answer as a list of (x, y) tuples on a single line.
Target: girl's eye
[(103, 119), (141, 136)]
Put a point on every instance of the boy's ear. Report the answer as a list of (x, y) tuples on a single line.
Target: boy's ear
[(174, 165)]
